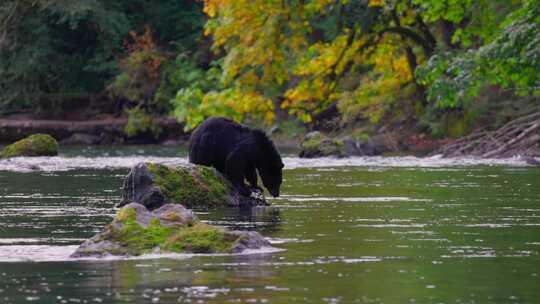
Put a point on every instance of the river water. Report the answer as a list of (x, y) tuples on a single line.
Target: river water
[(358, 230)]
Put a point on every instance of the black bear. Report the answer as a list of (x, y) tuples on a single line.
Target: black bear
[(238, 152)]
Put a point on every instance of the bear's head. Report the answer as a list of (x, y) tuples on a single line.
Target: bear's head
[(269, 164), (271, 176)]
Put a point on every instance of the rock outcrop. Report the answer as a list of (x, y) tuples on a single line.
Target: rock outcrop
[(33, 145), (154, 220), (193, 186), (316, 144), (169, 229)]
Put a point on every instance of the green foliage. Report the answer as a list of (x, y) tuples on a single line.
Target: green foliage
[(194, 83), (363, 55), (53, 50), (290, 128), (452, 78), (33, 145), (511, 60), (140, 122), (370, 58), (140, 70)]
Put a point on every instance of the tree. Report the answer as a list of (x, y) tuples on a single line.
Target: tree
[(510, 58), (305, 56), (50, 48), (54, 50)]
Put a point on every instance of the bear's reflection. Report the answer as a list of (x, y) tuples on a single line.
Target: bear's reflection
[(264, 219)]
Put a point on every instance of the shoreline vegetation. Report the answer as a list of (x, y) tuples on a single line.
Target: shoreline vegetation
[(373, 77), (519, 137)]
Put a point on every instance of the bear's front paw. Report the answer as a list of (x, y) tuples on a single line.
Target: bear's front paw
[(257, 195)]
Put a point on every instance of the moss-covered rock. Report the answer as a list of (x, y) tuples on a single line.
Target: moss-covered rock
[(193, 186), (315, 144), (33, 145), (172, 228)]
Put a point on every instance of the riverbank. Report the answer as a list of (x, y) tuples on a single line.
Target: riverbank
[(518, 137), (109, 130)]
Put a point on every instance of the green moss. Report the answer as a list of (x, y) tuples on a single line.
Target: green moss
[(320, 145), (125, 214), (140, 122), (136, 239), (200, 238), (332, 147), (314, 141), (34, 145), (197, 187), (360, 136)]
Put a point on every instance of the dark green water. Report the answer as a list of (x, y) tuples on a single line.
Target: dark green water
[(350, 235)]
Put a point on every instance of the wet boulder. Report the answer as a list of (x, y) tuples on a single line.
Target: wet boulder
[(193, 186), (171, 228), (316, 144), (33, 145)]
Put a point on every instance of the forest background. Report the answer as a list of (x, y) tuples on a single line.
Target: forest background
[(436, 68)]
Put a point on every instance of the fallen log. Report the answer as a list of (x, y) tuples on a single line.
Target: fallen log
[(519, 137), (108, 130)]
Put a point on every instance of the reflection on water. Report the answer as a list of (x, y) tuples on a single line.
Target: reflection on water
[(260, 218), (363, 234)]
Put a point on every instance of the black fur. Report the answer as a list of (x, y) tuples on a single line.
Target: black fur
[(238, 152)]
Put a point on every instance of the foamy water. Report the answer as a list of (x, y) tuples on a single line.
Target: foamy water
[(62, 163), (51, 253)]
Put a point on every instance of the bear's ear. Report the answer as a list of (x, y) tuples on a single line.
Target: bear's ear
[(282, 165)]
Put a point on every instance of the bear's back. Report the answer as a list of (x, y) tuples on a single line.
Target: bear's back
[(214, 139)]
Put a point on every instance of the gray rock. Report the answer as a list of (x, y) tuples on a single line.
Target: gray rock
[(316, 144), (352, 147), (140, 187), (143, 216), (248, 240), (99, 246), (381, 143), (175, 214)]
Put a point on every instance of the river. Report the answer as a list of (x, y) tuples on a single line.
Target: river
[(356, 230)]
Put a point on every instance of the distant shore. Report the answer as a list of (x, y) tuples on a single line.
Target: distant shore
[(108, 130)]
